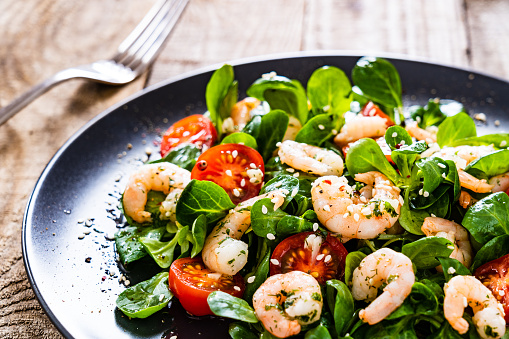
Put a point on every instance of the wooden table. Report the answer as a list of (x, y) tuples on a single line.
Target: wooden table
[(40, 37)]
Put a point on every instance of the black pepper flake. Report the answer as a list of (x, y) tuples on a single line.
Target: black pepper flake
[(88, 259)]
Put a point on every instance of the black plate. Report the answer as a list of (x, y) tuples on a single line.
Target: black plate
[(76, 280)]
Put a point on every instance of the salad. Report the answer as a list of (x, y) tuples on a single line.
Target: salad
[(329, 211)]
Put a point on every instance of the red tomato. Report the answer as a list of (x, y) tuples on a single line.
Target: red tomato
[(383, 146), (190, 282), (507, 192), (195, 129), (370, 110), (494, 275), (227, 165), (295, 254)]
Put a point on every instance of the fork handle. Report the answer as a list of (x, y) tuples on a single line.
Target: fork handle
[(33, 93)]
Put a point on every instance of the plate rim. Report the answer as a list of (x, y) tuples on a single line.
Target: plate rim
[(234, 62)]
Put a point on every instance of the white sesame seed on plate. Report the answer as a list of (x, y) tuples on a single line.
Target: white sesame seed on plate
[(274, 261)]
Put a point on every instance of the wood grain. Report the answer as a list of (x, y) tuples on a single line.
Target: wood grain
[(40, 37)]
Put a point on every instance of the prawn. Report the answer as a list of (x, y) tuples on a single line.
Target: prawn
[(466, 200), (310, 159), (453, 232), (285, 302), (223, 252), (240, 112), (470, 182), (384, 265), (430, 136), (164, 177), (462, 291), (294, 127), (500, 182), (360, 127), (352, 214), (463, 155)]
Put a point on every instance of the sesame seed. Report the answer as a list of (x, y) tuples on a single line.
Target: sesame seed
[(326, 208), (264, 209), (327, 258), (228, 173), (251, 279), (252, 165), (441, 165), (278, 144), (285, 191), (501, 293), (334, 131), (290, 170), (326, 108), (420, 191), (236, 192), (186, 133), (236, 288), (321, 127), (497, 123), (443, 175), (395, 134), (127, 283), (295, 191), (402, 142), (503, 143), (480, 117), (345, 215), (315, 227), (320, 256), (274, 261), (356, 217), (243, 182), (296, 175), (271, 236), (363, 199), (433, 216), (425, 194), (161, 297), (235, 153)]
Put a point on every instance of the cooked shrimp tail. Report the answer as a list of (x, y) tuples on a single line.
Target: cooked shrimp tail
[(285, 302), (382, 266), (462, 291)]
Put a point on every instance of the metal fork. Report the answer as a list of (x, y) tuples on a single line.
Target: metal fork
[(134, 55)]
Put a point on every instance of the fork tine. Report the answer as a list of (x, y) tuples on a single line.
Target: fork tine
[(152, 47), (139, 29)]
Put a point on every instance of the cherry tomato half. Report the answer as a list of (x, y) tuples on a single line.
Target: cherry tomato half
[(192, 282), (237, 168), (324, 260), (195, 129), (370, 110), (383, 146), (494, 275)]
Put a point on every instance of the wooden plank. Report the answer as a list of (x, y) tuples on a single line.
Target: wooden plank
[(430, 29), (222, 30), (489, 35), (39, 38)]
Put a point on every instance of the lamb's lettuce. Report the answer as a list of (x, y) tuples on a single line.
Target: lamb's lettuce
[(203, 197), (225, 305), (329, 91), (146, 297), (423, 252), (454, 128), (221, 95), (240, 138), (320, 128), (272, 130), (184, 155), (491, 164), (493, 249), (341, 303), (488, 219), (281, 93), (379, 81)]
